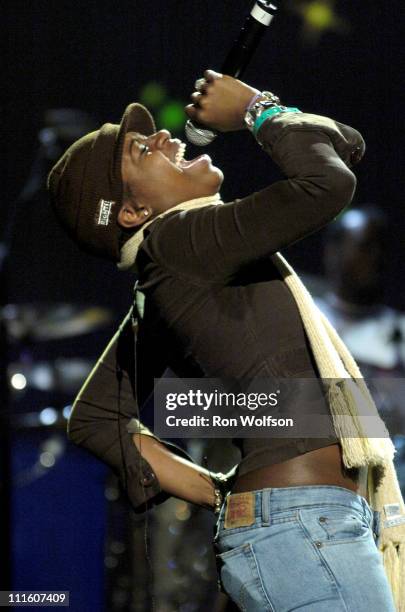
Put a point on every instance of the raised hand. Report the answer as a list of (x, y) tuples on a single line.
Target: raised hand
[(220, 102)]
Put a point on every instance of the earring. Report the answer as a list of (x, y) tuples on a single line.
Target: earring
[(145, 212)]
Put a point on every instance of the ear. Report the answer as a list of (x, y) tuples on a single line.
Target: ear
[(129, 216)]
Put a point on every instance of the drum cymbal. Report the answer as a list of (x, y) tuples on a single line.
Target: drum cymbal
[(42, 321)]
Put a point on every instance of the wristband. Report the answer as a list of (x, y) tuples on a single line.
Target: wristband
[(259, 103), (253, 100), (267, 114)]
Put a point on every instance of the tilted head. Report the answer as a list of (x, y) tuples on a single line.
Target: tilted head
[(120, 176)]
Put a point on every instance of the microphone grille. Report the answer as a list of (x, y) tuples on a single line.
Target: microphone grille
[(198, 135)]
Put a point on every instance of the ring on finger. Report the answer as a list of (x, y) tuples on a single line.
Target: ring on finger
[(199, 84)]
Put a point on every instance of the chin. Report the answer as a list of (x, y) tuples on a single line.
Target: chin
[(217, 179)]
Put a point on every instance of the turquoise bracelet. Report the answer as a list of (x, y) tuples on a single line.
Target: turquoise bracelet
[(267, 114)]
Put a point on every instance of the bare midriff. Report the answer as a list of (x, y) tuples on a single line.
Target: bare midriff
[(322, 466)]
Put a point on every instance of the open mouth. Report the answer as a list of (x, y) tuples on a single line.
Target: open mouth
[(180, 154), (183, 163)]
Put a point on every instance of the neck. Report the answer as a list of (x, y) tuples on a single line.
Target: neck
[(195, 203), (130, 248)]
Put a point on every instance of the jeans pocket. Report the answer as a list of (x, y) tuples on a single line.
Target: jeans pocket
[(341, 524), (240, 579)]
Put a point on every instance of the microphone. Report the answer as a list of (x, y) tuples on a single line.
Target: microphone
[(237, 59)]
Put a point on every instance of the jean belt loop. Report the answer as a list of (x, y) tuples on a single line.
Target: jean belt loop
[(266, 507)]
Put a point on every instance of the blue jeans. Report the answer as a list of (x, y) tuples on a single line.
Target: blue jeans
[(309, 548)]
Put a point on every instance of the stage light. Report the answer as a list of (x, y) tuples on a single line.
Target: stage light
[(319, 17), (200, 565), (66, 411), (182, 511), (110, 562), (169, 112), (174, 530), (48, 416), (117, 547), (354, 219), (111, 494), (43, 377), (47, 459), (153, 94), (172, 116), (18, 381)]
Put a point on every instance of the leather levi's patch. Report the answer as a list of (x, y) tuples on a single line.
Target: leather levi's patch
[(240, 510)]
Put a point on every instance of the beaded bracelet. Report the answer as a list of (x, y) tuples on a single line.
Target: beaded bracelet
[(218, 501), (219, 482), (254, 99)]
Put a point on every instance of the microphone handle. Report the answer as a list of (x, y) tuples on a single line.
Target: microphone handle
[(237, 59), (243, 48)]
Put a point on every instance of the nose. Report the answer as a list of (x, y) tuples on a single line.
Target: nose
[(159, 139)]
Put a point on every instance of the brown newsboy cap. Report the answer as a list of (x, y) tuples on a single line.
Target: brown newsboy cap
[(85, 185)]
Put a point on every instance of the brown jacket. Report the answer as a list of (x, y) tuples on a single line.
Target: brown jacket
[(215, 306)]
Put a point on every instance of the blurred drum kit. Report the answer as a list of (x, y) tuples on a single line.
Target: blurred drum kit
[(37, 336), (47, 350)]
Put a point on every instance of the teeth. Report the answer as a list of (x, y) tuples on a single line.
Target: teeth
[(180, 154)]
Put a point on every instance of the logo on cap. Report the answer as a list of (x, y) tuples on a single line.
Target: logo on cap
[(104, 211)]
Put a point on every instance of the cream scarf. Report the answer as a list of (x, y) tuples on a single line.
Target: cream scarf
[(130, 248), (363, 436)]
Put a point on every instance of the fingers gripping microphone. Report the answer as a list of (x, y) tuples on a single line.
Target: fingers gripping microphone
[(237, 59)]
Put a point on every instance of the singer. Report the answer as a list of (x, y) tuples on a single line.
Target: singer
[(296, 531)]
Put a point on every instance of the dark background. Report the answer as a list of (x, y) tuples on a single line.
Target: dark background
[(97, 55)]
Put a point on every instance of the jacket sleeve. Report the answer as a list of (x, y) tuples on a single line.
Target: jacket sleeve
[(104, 418), (213, 243)]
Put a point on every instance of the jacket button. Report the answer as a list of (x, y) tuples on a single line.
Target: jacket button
[(148, 479), (356, 155), (322, 519)]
